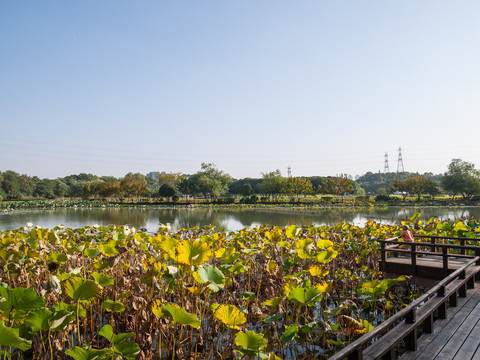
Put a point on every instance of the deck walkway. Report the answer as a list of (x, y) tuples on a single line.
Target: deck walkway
[(441, 324), (455, 338)]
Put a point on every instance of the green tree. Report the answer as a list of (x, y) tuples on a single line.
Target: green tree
[(296, 186), (461, 178), (418, 185), (61, 189), (133, 184), (338, 185), (166, 190), (273, 184), (246, 190), (209, 181), (45, 189), (400, 187)]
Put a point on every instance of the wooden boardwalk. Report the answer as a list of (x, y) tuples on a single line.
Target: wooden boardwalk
[(455, 338), (444, 322)]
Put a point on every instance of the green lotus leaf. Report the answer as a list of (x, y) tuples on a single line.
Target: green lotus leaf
[(103, 279), (108, 249), (18, 302), (82, 312), (251, 342), (289, 334), (376, 288), (274, 302), (213, 275), (129, 350), (57, 257), (120, 345), (113, 306), (180, 316), (87, 353), (62, 318), (38, 320), (274, 317), (80, 289), (9, 337), (305, 295), (107, 332)]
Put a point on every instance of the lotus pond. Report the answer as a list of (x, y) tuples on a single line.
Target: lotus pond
[(268, 292)]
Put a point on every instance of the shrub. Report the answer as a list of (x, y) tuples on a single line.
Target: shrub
[(327, 198), (382, 198)]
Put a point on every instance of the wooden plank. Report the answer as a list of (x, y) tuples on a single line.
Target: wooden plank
[(470, 346), (387, 342), (439, 337), (461, 333)]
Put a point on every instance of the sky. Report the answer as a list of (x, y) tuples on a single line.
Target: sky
[(325, 87)]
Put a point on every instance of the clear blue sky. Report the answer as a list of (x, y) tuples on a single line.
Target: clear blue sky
[(112, 86)]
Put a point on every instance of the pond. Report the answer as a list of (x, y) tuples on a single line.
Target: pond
[(227, 219)]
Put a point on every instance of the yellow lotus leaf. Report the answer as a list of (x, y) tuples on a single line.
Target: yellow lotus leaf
[(197, 289), (192, 253), (220, 252), (324, 287), (324, 244), (286, 288), (272, 266), (230, 315), (326, 256), (197, 277), (167, 245), (351, 325), (315, 270), (268, 235), (304, 248), (156, 307), (460, 226)]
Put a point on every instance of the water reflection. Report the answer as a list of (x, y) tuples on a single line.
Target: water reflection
[(225, 219)]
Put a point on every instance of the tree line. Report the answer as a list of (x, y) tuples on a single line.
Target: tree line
[(461, 178)]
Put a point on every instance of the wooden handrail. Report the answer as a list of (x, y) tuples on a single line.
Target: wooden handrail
[(416, 243), (355, 349), (445, 237)]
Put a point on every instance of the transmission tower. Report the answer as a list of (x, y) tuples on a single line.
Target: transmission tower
[(400, 161), (289, 171), (386, 169)]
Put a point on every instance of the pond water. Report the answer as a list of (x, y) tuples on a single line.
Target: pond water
[(227, 219)]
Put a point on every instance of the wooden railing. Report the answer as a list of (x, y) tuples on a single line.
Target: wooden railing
[(460, 240), (414, 249), (404, 324)]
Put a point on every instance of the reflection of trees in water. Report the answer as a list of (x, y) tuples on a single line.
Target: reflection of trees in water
[(226, 219)]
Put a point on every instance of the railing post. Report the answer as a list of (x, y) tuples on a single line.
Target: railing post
[(428, 324), (383, 254), (356, 354), (390, 355), (452, 300), (462, 243), (442, 310), (411, 340), (434, 248), (414, 258), (411, 317), (445, 260)]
